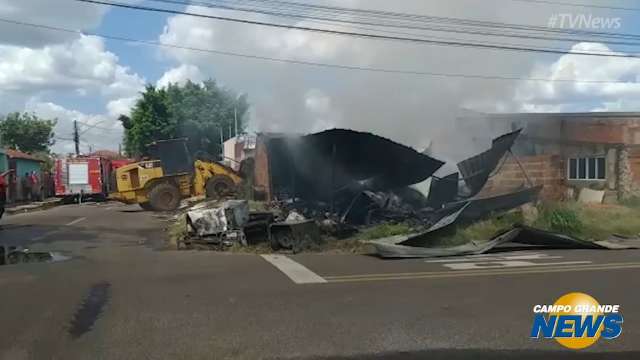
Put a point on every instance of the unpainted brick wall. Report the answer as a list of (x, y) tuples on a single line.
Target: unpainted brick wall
[(547, 170), (597, 131), (634, 162)]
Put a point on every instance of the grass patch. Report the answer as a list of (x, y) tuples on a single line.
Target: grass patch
[(482, 230), (383, 230), (260, 248), (565, 218), (177, 231), (602, 222), (632, 202), (590, 222), (345, 246)]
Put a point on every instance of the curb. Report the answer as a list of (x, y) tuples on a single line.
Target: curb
[(32, 207)]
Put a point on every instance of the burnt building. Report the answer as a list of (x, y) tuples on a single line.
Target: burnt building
[(565, 152), (334, 165)]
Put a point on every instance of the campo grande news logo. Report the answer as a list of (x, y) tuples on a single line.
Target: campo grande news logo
[(576, 321)]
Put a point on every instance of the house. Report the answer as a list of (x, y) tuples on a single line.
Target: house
[(4, 165), (21, 163), (237, 149), (107, 154), (566, 152), (4, 161)]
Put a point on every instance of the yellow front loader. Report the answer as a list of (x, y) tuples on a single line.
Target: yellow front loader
[(161, 183)]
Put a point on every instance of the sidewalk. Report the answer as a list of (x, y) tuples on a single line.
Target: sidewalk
[(33, 206)]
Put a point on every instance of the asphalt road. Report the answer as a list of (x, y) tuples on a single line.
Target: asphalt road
[(120, 297)]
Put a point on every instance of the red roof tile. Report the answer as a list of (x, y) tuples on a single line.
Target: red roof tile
[(15, 154)]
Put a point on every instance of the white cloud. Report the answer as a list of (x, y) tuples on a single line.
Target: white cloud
[(99, 131), (180, 75), (71, 14), (577, 96), (286, 97), (80, 67), (408, 108), (121, 106), (82, 64)]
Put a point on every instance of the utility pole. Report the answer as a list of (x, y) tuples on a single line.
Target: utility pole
[(76, 137), (221, 144), (235, 116)]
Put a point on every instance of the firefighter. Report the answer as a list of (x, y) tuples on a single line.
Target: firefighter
[(3, 191)]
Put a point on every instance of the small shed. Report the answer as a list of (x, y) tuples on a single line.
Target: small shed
[(22, 164), (4, 161)]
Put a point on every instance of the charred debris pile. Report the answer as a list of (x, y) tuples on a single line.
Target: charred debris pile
[(337, 182)]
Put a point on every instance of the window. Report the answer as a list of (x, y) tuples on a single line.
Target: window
[(587, 168)]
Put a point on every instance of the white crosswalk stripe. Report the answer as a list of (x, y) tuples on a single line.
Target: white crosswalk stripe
[(298, 273)]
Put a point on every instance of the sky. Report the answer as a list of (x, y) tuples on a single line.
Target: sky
[(71, 76)]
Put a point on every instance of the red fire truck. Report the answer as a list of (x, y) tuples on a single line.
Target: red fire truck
[(85, 177)]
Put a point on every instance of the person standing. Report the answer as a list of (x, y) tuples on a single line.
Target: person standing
[(25, 182), (3, 191), (35, 186)]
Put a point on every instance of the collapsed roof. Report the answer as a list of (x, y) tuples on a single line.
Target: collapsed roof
[(341, 162), (476, 169), (522, 235)]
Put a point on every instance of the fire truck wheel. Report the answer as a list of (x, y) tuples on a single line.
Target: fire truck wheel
[(220, 186), (164, 197)]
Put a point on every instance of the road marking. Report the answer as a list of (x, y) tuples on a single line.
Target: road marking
[(467, 273), (114, 206), (495, 257), (76, 221), (496, 261), (295, 271), (507, 264)]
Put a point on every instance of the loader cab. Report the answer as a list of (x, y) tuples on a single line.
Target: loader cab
[(173, 155)]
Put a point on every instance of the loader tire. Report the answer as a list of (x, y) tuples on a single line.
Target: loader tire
[(146, 206), (220, 186), (164, 197)]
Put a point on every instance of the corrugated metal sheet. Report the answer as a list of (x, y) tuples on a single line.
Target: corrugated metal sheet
[(443, 190), (476, 170)]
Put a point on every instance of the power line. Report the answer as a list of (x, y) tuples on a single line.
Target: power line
[(63, 139), (308, 63), (580, 5), (425, 18), (333, 20), (94, 126), (364, 35)]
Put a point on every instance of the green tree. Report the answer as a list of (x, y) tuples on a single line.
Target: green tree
[(150, 120), (26, 132), (198, 112)]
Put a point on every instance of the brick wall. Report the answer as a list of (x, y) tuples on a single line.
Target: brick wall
[(597, 131), (547, 170), (634, 162)]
